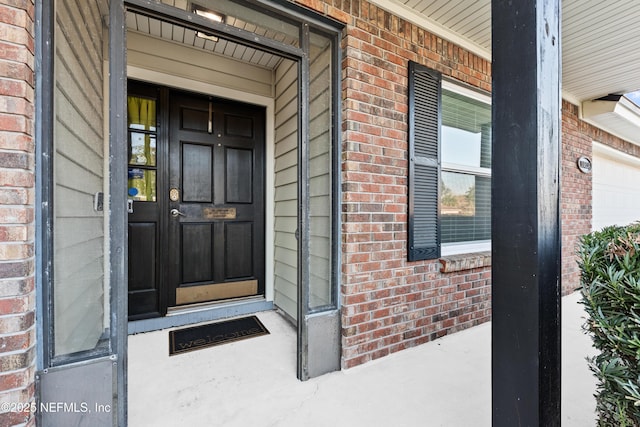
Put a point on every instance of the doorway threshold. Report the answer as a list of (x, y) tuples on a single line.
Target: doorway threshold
[(196, 313)]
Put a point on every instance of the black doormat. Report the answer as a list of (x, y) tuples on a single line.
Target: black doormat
[(197, 337)]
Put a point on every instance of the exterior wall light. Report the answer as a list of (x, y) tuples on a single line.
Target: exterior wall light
[(209, 14)]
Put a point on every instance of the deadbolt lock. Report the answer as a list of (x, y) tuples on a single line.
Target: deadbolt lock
[(174, 194)]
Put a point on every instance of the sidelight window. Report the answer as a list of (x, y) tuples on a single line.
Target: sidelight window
[(142, 133)]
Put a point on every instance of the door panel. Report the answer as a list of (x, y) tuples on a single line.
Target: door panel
[(239, 176), (197, 252), (194, 120), (216, 242), (197, 173), (238, 126), (239, 250), (142, 267)]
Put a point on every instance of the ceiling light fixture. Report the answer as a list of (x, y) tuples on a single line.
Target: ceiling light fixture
[(210, 15)]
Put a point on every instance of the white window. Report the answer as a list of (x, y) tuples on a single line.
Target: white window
[(465, 186)]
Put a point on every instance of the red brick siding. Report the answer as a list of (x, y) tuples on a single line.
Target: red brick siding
[(575, 191), (388, 303), (17, 298)]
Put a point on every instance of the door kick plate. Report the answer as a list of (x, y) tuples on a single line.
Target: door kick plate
[(219, 213), (215, 291)]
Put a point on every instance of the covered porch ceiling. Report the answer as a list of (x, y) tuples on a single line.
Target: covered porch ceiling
[(600, 50)]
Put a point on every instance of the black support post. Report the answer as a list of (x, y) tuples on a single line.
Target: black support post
[(525, 221)]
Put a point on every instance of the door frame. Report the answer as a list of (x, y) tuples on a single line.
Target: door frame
[(110, 363), (180, 317), (319, 330), (163, 89)]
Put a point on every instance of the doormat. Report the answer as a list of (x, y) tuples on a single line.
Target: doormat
[(203, 336)]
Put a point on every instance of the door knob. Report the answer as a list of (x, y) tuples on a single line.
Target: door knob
[(176, 213)]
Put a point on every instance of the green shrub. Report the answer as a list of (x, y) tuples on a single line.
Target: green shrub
[(609, 261)]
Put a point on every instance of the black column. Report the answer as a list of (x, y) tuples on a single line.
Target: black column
[(525, 221)]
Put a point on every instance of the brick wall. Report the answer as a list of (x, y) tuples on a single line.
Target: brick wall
[(576, 192), (17, 299), (390, 304)]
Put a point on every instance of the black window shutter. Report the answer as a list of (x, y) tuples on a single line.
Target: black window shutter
[(424, 162)]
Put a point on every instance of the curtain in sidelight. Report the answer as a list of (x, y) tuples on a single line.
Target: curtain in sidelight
[(142, 148)]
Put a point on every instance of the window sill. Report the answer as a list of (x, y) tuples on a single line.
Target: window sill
[(465, 248), (461, 262)]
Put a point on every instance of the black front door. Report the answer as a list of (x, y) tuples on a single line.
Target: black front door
[(196, 178), (216, 199)]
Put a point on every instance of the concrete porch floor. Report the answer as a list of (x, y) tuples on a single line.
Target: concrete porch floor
[(253, 382)]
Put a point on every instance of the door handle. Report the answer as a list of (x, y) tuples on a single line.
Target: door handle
[(176, 213)]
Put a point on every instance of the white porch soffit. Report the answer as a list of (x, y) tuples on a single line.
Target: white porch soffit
[(621, 118), (600, 49)]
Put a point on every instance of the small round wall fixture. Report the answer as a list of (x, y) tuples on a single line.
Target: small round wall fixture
[(584, 164)]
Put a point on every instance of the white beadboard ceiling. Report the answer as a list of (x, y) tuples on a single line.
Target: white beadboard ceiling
[(600, 39), (600, 43), (185, 36), (600, 49)]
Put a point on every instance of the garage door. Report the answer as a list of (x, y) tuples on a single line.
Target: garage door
[(616, 187)]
